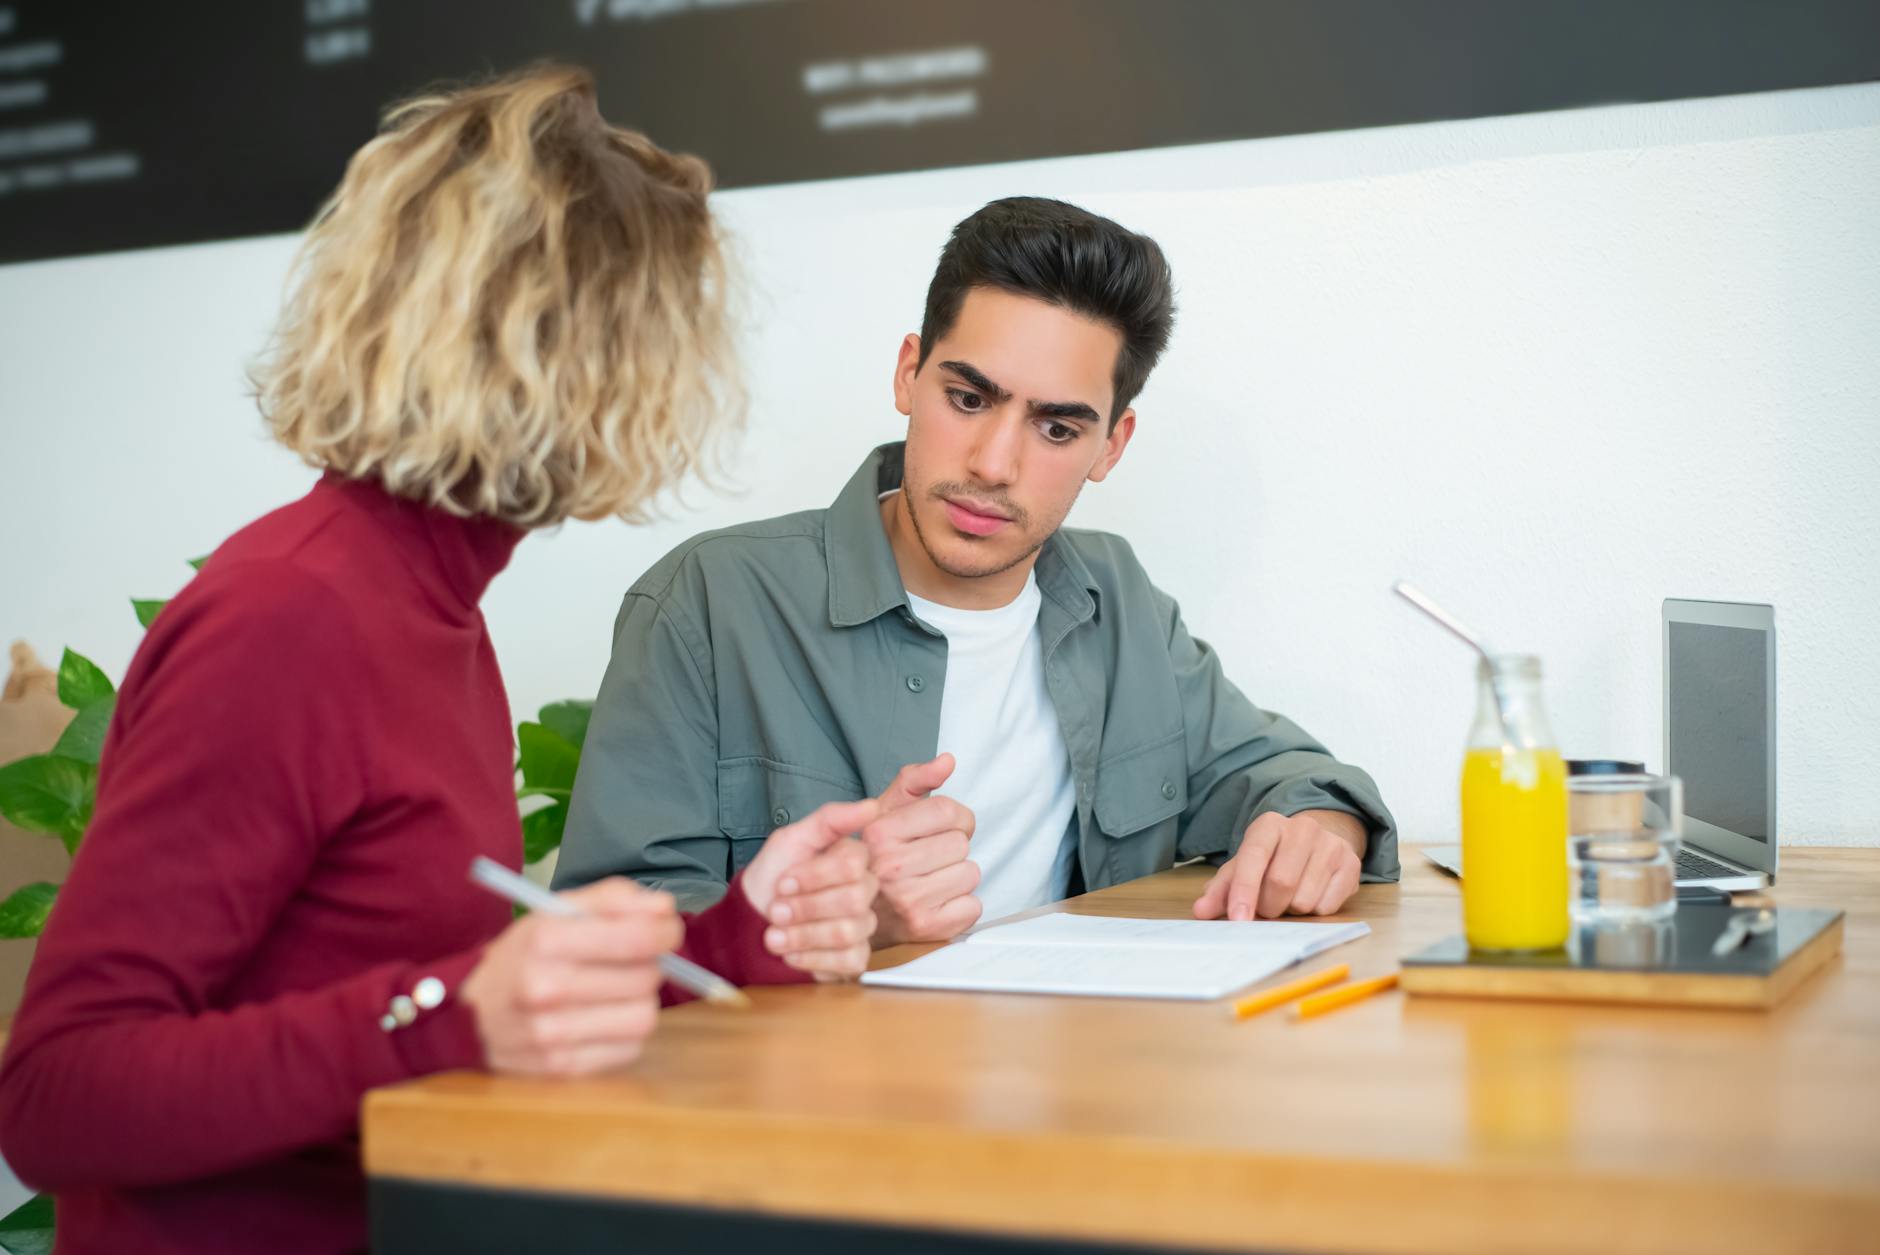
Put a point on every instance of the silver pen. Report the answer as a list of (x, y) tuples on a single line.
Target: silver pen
[(682, 972)]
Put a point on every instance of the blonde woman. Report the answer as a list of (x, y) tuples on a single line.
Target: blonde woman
[(508, 316)]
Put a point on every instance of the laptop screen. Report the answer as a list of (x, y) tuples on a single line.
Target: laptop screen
[(1719, 703)]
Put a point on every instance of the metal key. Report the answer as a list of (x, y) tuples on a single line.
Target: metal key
[(1742, 926)]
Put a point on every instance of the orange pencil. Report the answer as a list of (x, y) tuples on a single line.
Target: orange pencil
[(1253, 1004), (1344, 995)]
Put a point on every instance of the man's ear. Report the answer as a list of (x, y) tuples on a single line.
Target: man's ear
[(905, 367), (1117, 441)]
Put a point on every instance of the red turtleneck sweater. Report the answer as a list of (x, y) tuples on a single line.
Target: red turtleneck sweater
[(310, 747)]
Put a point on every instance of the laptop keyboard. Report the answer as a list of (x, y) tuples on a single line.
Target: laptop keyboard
[(1696, 867)]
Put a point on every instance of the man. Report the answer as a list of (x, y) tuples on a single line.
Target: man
[(1083, 737)]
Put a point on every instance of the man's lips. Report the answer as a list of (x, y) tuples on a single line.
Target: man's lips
[(974, 520)]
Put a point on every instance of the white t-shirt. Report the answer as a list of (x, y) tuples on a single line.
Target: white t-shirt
[(1011, 765)]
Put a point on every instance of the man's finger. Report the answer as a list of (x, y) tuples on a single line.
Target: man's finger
[(915, 781), (1287, 865), (1250, 867), (920, 818), (905, 859), (918, 893), (1213, 899), (935, 907), (1343, 884), (957, 915), (1318, 874)]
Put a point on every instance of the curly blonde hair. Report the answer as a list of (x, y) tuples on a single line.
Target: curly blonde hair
[(509, 308)]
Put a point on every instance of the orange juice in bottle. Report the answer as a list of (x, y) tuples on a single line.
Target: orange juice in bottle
[(1514, 816)]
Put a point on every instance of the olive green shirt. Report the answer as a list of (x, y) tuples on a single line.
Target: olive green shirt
[(765, 669)]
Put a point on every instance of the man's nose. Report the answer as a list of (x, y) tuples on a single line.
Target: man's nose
[(997, 450)]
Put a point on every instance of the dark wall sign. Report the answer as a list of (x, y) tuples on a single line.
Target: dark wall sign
[(130, 125)]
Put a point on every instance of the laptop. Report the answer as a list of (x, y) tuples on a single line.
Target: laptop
[(1720, 739)]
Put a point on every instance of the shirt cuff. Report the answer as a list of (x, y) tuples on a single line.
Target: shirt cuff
[(729, 939), (431, 1027), (1335, 792)]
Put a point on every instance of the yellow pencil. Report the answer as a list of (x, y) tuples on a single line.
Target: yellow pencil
[(1344, 995), (1253, 1004)]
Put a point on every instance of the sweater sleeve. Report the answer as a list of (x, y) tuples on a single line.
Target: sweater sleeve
[(727, 938), (236, 750)]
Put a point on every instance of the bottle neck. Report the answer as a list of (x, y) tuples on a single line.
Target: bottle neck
[(1518, 679)]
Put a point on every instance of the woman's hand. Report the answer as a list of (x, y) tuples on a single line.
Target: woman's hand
[(814, 886), (568, 995)]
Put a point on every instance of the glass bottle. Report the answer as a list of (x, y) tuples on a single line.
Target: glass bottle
[(1514, 816)]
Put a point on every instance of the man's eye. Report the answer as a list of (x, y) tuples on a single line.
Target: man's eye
[(1059, 433), (966, 402)]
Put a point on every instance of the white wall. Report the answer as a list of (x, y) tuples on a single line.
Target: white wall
[(1554, 368)]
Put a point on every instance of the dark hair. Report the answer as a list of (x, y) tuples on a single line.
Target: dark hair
[(1030, 246)]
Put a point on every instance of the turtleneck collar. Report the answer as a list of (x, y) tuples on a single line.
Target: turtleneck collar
[(452, 558)]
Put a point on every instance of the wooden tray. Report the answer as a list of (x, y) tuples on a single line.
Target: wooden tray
[(1668, 963)]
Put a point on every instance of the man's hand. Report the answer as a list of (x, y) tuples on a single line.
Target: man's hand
[(918, 847), (814, 886), (1304, 864)]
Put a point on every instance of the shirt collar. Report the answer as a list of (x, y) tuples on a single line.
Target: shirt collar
[(865, 583)]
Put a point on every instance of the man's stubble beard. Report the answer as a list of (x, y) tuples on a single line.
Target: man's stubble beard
[(908, 494)]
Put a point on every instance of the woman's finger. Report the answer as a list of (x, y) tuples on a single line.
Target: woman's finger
[(603, 939), (842, 964), (840, 866), (548, 985), (847, 898), (827, 934)]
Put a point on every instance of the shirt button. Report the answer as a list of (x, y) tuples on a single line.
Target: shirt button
[(915, 684), (1168, 790), (779, 817), (428, 993)]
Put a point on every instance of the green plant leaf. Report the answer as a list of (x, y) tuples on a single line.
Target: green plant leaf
[(51, 794), (569, 720), (548, 759), (541, 832), (24, 912), (27, 1229), (536, 790), (83, 738), (195, 564), (147, 610), (81, 682)]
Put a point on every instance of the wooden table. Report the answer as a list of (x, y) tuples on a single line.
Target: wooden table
[(1428, 1125)]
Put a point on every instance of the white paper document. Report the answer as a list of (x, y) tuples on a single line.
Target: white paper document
[(1100, 957)]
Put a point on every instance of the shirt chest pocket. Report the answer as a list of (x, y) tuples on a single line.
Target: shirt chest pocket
[(756, 796), (1141, 794)]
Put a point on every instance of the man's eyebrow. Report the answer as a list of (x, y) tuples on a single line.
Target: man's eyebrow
[(972, 375), (1063, 409), (1042, 409)]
